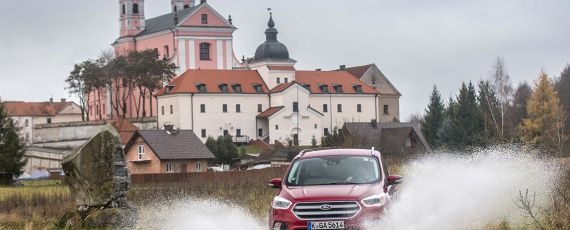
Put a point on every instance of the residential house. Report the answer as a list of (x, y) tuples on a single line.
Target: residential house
[(388, 138), (166, 151)]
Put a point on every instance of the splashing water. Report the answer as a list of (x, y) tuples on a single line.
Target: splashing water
[(195, 214), (450, 191)]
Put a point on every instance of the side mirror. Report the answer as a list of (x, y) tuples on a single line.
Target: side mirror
[(275, 183), (395, 179)]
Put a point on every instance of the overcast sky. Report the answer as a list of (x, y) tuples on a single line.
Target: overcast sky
[(416, 43)]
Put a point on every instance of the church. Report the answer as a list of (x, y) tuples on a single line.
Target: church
[(262, 98)]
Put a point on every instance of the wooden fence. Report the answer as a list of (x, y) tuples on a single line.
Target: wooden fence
[(268, 173)]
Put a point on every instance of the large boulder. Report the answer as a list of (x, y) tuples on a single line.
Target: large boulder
[(96, 172)]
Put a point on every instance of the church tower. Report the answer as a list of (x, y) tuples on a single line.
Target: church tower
[(132, 17), (177, 5)]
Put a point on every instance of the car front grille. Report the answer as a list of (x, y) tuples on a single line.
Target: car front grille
[(326, 210)]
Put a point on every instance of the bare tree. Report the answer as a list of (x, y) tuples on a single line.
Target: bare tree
[(504, 89)]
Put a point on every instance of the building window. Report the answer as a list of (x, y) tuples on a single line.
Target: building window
[(238, 108), (408, 142), (325, 108), (286, 80), (276, 127), (386, 110), (201, 88), (186, 6), (278, 80), (198, 166), (224, 88), (237, 88), (141, 152), (316, 127), (359, 108), (225, 108), (166, 52), (135, 8), (203, 133), (49, 121), (27, 123), (162, 110), (168, 167), (259, 108), (258, 88), (324, 88), (204, 51), (338, 88), (202, 108), (357, 88), (204, 19), (171, 109), (27, 137), (339, 108), (124, 9), (326, 131), (226, 132), (260, 132), (295, 106), (238, 132)]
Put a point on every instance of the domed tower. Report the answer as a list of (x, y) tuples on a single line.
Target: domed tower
[(272, 59), (177, 5), (132, 17)]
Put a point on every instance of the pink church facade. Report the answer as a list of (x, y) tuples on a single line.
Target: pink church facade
[(193, 36)]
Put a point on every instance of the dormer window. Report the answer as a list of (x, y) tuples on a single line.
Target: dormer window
[(307, 86), (135, 8), (204, 19), (237, 88), (257, 88), (337, 88), (186, 6), (357, 88), (169, 88), (201, 88), (224, 88), (324, 88)]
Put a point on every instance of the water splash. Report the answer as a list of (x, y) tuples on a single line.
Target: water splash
[(451, 191), (195, 214)]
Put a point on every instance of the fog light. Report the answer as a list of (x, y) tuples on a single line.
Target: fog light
[(279, 226)]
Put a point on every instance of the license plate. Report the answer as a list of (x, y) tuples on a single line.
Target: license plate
[(326, 225)]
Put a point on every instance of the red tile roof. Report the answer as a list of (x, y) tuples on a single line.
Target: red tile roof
[(281, 87), (267, 113), (126, 129), (316, 78), (19, 108), (211, 78), (276, 67), (358, 71)]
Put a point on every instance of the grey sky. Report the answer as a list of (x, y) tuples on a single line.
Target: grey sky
[(416, 43)]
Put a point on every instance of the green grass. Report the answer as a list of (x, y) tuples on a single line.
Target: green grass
[(252, 149)]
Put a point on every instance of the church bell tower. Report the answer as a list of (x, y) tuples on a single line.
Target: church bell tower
[(177, 5), (132, 17)]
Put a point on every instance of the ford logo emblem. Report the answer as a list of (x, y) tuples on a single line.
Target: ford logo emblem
[(326, 207)]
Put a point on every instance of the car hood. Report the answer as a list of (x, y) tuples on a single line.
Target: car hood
[(331, 192)]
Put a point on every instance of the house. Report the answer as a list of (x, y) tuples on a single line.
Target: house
[(271, 100), (162, 151), (388, 138), (30, 114), (389, 96)]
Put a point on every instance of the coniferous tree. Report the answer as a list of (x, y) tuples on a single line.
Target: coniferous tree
[(489, 107), (518, 111), (563, 89), (545, 124), (433, 120), (11, 149), (444, 131), (466, 124)]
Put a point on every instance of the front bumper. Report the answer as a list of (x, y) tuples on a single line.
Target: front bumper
[(288, 221)]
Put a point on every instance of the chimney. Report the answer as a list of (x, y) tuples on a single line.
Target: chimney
[(202, 1), (169, 128), (51, 100), (374, 123), (342, 67), (319, 69), (63, 100)]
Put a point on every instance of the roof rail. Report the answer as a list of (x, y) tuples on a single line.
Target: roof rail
[(372, 151), (302, 153)]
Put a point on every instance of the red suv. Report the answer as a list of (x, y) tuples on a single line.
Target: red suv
[(332, 189)]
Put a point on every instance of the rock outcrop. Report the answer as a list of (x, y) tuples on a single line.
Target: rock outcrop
[(96, 172)]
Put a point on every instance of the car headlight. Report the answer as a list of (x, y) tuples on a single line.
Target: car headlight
[(375, 200), (280, 203)]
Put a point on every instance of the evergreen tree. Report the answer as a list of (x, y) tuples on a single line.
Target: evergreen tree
[(223, 148), (466, 124), (444, 131), (545, 124), (11, 149), (433, 119), (563, 89), (518, 112), (489, 107)]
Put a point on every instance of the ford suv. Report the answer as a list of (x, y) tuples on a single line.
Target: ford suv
[(332, 189)]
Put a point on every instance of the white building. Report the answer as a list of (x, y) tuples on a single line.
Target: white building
[(273, 101)]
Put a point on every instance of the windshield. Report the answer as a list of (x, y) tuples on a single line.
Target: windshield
[(334, 170)]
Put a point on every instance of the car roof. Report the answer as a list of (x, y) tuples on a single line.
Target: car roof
[(338, 152)]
